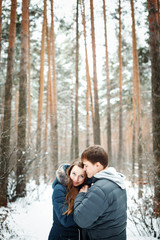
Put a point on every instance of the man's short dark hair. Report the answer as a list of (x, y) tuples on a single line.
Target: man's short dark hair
[(94, 154)]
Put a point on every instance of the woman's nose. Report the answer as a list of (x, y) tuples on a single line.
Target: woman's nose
[(76, 178)]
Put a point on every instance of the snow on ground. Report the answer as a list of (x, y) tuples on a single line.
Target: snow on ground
[(31, 218)]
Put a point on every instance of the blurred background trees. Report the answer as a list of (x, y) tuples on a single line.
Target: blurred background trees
[(86, 73)]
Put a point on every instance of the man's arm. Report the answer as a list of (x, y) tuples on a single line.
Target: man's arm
[(89, 206)]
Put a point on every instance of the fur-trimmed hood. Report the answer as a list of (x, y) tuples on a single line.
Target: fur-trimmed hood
[(61, 175)]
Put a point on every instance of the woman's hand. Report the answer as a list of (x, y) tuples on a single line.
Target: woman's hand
[(84, 188)]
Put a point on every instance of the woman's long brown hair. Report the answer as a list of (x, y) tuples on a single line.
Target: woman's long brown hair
[(71, 190)]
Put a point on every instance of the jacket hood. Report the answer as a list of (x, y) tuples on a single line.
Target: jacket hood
[(61, 175), (112, 175)]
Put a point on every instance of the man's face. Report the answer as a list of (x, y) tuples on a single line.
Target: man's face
[(91, 169)]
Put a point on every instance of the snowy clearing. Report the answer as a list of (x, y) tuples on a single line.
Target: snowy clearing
[(31, 218)]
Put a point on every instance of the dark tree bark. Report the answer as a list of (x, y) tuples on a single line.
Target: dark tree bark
[(40, 101), (29, 88), (77, 84), (88, 79), (45, 157), (154, 29), (5, 141), (109, 134), (21, 142), (97, 139), (72, 147), (1, 88), (54, 132), (137, 106), (0, 31), (120, 94)]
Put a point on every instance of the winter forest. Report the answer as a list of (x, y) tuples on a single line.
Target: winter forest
[(73, 74)]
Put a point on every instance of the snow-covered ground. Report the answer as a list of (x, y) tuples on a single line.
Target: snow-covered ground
[(31, 218)]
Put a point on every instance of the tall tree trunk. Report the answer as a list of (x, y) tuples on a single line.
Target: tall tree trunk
[(154, 29), (54, 89), (21, 141), (77, 83), (137, 102), (134, 137), (96, 103), (16, 118), (72, 148), (5, 141), (40, 101), (1, 111), (120, 94), (29, 89), (133, 148), (109, 135), (89, 90), (0, 35), (65, 133), (87, 118), (1, 88), (45, 159)]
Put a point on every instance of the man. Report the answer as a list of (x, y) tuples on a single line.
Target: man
[(101, 210)]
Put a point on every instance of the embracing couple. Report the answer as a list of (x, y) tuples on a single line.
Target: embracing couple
[(89, 200)]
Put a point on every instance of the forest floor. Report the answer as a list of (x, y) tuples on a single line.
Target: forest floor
[(30, 218)]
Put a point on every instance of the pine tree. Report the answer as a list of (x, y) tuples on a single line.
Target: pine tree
[(21, 141), (40, 101), (97, 139), (120, 94), (5, 141), (136, 98), (109, 135), (77, 85), (54, 122), (88, 79), (154, 29)]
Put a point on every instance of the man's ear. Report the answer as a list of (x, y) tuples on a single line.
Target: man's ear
[(99, 166)]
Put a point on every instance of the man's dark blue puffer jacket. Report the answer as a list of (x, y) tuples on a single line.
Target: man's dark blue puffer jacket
[(102, 211)]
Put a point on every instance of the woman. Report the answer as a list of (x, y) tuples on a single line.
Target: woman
[(69, 180)]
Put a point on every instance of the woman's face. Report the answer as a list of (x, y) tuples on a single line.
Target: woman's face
[(77, 175)]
